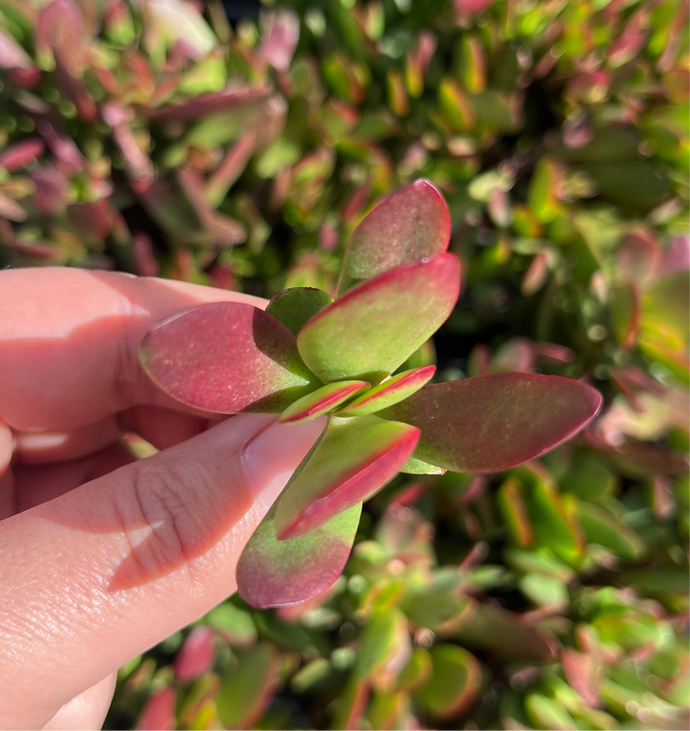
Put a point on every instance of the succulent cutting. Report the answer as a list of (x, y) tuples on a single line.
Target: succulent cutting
[(308, 355)]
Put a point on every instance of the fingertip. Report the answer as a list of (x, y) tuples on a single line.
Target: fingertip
[(275, 453)]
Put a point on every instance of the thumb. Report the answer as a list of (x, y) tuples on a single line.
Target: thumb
[(104, 572)]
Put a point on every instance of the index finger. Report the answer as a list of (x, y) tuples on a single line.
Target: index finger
[(69, 339)]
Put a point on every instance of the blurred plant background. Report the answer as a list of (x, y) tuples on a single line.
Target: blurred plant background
[(238, 146)]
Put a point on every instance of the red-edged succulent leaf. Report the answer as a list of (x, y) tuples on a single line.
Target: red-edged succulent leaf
[(454, 683), (408, 226), (375, 327), (490, 423), (159, 711), (226, 357), (273, 573), (248, 686), (415, 466), (19, 155), (668, 303), (321, 401), (353, 459), (391, 391), (211, 103), (196, 656), (625, 313), (294, 306)]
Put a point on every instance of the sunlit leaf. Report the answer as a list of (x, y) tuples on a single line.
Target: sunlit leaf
[(226, 357), (391, 391), (373, 328), (353, 459), (410, 225), (273, 573), (319, 402), (490, 423)]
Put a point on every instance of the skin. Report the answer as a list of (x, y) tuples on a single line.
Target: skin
[(101, 556)]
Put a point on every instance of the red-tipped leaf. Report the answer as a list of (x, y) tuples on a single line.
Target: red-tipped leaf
[(408, 226), (353, 459), (490, 423), (273, 573), (391, 391), (226, 357), (375, 327), (210, 103), (321, 401)]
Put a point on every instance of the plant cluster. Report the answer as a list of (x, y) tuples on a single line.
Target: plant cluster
[(308, 355)]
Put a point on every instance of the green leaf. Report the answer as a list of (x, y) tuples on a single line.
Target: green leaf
[(408, 226), (417, 671), (666, 306), (454, 684), (603, 527), (233, 623), (503, 632), (273, 573), (548, 714), (353, 459), (415, 466), (248, 686), (293, 307), (320, 402), (544, 591), (381, 638), (490, 423), (373, 328)]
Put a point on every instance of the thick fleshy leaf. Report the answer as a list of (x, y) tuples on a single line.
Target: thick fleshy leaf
[(408, 226), (226, 357), (233, 624), (353, 459), (321, 401), (603, 527), (415, 466), (196, 656), (417, 671), (159, 711), (294, 306), (490, 423), (391, 391), (669, 303), (505, 633), (212, 103), (373, 329), (454, 683), (248, 687), (273, 573), (383, 646)]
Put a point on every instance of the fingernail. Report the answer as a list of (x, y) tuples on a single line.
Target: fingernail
[(272, 456)]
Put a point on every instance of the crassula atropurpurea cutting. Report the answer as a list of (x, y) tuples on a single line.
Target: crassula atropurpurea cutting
[(307, 355)]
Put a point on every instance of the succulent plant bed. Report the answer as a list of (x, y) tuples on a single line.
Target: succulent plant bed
[(549, 595)]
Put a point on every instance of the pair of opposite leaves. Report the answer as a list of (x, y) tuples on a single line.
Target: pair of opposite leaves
[(308, 355)]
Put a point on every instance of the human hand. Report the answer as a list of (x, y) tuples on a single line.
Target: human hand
[(102, 557)]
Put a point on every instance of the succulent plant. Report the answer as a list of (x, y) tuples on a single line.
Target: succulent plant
[(308, 355)]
